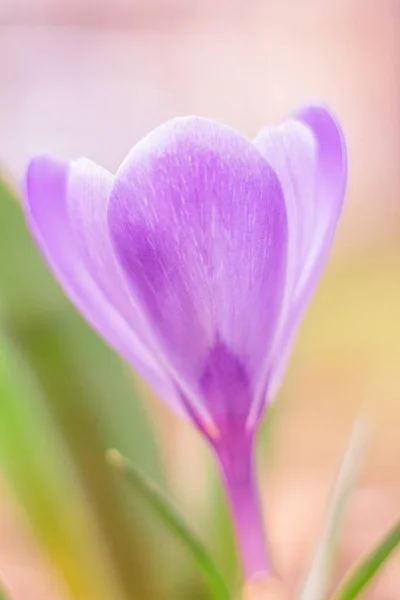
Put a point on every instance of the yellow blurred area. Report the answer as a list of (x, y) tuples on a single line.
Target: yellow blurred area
[(84, 78)]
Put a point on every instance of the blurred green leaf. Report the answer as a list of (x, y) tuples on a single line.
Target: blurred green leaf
[(91, 403), (362, 574), (4, 595), (318, 579), (41, 476), (172, 519), (222, 540)]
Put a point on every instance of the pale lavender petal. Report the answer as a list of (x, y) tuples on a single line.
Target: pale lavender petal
[(308, 154), (198, 222), (66, 207)]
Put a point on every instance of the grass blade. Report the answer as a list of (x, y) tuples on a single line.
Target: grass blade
[(317, 582), (163, 507), (363, 573)]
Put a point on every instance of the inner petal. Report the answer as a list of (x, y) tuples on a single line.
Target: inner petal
[(198, 223)]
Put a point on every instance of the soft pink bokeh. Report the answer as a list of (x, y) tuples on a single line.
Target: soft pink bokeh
[(91, 77)]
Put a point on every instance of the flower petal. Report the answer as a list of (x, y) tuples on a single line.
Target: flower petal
[(66, 207), (308, 154), (198, 221)]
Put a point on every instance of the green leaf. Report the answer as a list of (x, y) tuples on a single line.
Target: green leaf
[(363, 573), (318, 579), (40, 474), (167, 512)]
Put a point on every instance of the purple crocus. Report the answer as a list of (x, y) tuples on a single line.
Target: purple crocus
[(196, 262)]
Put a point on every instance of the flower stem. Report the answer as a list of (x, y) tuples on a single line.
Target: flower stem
[(236, 461)]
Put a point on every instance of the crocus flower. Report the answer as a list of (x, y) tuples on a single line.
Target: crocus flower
[(196, 262)]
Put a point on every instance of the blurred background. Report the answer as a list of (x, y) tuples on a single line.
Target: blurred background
[(89, 78)]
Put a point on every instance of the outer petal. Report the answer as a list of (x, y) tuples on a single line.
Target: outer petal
[(308, 154), (66, 207), (198, 221)]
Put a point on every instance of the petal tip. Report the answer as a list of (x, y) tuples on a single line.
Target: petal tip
[(327, 130), (317, 115), (40, 172)]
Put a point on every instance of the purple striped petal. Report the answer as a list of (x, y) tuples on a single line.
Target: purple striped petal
[(66, 206), (308, 155), (198, 221)]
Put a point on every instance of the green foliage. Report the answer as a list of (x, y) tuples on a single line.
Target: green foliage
[(170, 516), (363, 573)]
